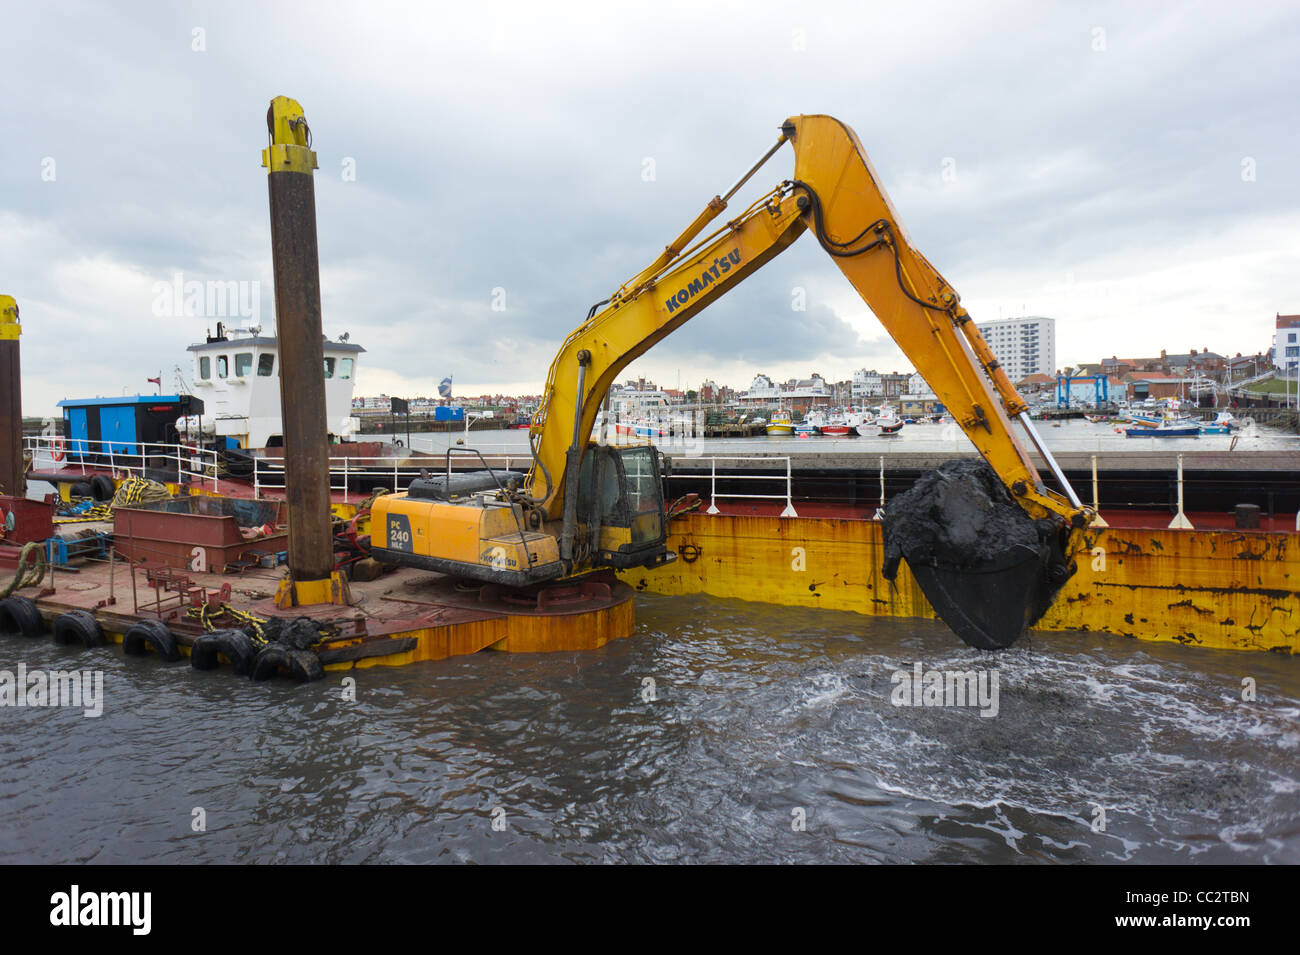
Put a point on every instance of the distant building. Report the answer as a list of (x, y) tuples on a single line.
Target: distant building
[(761, 393), (894, 385), (866, 384), (918, 404), (1249, 366), (808, 393), (1122, 366), (1141, 385), (1286, 343), (1203, 361), (1023, 346), (636, 397), (1036, 382), (797, 394)]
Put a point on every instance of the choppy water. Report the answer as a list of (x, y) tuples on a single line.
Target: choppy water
[(762, 714)]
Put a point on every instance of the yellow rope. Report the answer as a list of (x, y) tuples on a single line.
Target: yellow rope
[(204, 614), (24, 576), (134, 490)]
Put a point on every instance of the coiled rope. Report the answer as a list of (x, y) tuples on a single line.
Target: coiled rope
[(27, 576)]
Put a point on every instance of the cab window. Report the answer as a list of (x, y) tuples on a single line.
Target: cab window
[(205, 367), (345, 368), (329, 367), (222, 366), (243, 364), (265, 363)]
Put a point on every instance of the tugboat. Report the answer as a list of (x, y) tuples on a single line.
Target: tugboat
[(236, 373), (233, 412)]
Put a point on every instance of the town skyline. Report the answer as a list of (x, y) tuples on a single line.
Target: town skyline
[(1164, 357)]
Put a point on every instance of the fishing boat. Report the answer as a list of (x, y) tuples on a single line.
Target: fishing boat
[(641, 428), (838, 426), (866, 424), (781, 424), (811, 425), (888, 421), (1165, 429), (1223, 423)]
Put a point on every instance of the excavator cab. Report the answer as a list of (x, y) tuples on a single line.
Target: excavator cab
[(475, 526), (621, 507)]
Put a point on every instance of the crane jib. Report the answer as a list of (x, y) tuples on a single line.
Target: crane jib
[(720, 267)]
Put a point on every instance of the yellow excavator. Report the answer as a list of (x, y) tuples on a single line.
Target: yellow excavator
[(584, 506)]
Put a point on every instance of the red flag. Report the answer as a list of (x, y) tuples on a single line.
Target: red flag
[(156, 381)]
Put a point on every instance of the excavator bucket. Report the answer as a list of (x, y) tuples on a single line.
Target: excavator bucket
[(987, 568)]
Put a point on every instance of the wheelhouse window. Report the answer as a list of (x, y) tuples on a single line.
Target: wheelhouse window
[(329, 367), (265, 365), (205, 367), (223, 366), (345, 368), (243, 364)]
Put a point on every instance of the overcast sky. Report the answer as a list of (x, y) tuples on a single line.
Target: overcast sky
[(1129, 169)]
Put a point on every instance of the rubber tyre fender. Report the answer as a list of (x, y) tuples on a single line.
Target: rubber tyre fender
[(80, 489), (18, 615), (78, 626), (102, 487), (234, 645), (303, 665), (151, 633)]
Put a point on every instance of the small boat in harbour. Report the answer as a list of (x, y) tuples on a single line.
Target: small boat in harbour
[(1223, 423), (811, 425), (888, 421), (1165, 429), (866, 425), (781, 425), (839, 426)]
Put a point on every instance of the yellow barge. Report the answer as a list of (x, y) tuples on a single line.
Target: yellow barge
[(1220, 587)]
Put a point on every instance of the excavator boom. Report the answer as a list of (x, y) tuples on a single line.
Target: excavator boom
[(582, 507), (836, 194)]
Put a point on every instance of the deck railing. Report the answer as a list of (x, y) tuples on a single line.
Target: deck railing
[(741, 475), (149, 460), (391, 471)]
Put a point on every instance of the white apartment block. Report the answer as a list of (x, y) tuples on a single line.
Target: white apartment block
[(1023, 346)]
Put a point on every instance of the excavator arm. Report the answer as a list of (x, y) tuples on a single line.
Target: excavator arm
[(582, 507), (835, 193)]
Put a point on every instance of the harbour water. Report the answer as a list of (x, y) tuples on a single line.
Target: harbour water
[(723, 731), (1069, 435)]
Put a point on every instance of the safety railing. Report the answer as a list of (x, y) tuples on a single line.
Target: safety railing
[(391, 472), (162, 462), (742, 475)]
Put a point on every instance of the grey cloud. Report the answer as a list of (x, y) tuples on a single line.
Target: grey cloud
[(505, 146)]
